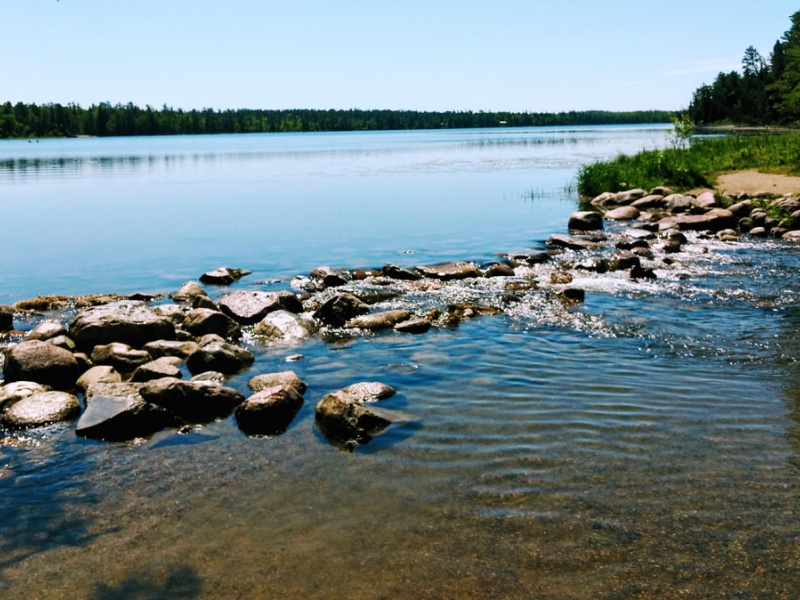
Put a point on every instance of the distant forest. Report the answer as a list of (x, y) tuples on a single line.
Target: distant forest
[(766, 92), (55, 120)]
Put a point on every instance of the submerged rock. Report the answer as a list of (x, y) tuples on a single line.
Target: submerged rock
[(117, 418), (346, 423), (370, 391)]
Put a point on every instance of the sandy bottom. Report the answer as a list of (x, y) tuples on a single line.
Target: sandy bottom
[(753, 182)]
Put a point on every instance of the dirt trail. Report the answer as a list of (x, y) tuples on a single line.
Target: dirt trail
[(753, 182)]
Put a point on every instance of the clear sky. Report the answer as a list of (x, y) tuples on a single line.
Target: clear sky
[(517, 55)]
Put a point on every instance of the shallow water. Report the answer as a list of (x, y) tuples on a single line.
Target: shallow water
[(643, 445)]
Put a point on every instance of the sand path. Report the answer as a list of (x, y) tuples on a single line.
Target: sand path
[(752, 182)]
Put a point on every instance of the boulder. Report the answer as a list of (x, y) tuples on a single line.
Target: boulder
[(202, 321), (219, 356), (269, 412), (282, 379), (369, 391), (660, 191), (189, 291), (585, 220), (285, 326), (346, 423), (192, 401), (629, 196), (741, 209), (42, 363), (571, 243), (380, 320), (117, 418), (98, 374), (499, 270), (120, 356), (174, 312), (650, 202), (6, 318), (704, 201), (41, 408), (62, 341), (127, 321), (223, 276), (175, 348), (46, 330), (329, 277), (677, 203), (248, 307), (623, 213), (714, 220), (156, 369), (450, 271), (604, 200), (17, 390), (340, 309), (415, 326)]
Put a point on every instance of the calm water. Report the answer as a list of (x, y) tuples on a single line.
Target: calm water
[(644, 445)]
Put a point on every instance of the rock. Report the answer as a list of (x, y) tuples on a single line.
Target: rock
[(269, 412), (210, 377), (17, 390), (741, 209), (380, 320), (745, 224), (117, 418), (561, 277), (156, 369), (622, 261), (127, 321), (192, 401), (370, 296), (704, 201), (415, 326), (370, 391), (570, 242), (340, 309), (174, 312), (677, 203), (202, 321), (630, 196), (329, 277), (758, 232), (640, 272), (42, 304), (727, 235), (660, 191), (450, 271), (346, 423), (248, 307), (499, 270), (205, 302), (46, 330), (41, 408), (792, 236), (585, 220), (594, 264), (42, 363), (219, 356), (63, 341), (223, 276), (627, 243), (572, 295), (189, 291), (282, 379), (6, 318), (623, 213), (120, 356), (175, 348), (650, 202), (98, 374), (285, 326), (399, 273), (714, 220), (530, 258)]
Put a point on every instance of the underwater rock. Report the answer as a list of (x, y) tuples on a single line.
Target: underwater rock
[(270, 411)]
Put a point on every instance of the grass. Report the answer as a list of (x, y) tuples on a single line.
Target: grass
[(694, 166)]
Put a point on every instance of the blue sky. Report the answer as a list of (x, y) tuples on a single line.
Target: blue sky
[(534, 55)]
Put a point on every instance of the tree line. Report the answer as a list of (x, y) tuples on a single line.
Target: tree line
[(22, 120), (766, 92)]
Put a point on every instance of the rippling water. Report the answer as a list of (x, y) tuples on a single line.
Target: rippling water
[(642, 445)]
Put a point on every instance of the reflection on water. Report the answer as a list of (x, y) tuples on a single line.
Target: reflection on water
[(643, 445)]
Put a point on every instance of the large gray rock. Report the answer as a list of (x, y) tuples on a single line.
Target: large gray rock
[(281, 379), (714, 220), (127, 321), (623, 213), (585, 220), (189, 291), (219, 356), (43, 363), (346, 423), (120, 356), (41, 408), (202, 321), (46, 330), (122, 416), (248, 307), (270, 411), (340, 309), (192, 401), (17, 390), (285, 326)]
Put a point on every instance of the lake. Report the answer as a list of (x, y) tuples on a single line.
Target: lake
[(643, 444)]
